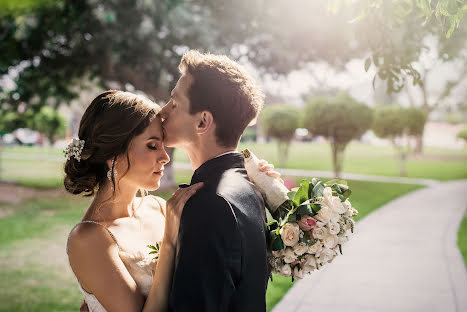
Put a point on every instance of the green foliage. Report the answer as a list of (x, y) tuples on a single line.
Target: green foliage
[(340, 119), (280, 121), (397, 121), (462, 134), (462, 239), (10, 121), (49, 122), (394, 33)]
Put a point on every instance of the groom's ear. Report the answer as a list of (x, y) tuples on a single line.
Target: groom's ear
[(205, 122)]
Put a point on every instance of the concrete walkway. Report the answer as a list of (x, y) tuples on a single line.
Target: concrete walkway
[(403, 257)]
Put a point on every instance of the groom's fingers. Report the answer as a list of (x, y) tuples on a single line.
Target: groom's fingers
[(273, 174), (267, 167)]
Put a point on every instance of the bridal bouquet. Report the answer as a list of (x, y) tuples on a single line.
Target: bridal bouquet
[(310, 223)]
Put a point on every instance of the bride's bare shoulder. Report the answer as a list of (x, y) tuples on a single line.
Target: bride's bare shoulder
[(86, 237)]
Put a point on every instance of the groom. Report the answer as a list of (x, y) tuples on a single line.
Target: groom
[(221, 262)]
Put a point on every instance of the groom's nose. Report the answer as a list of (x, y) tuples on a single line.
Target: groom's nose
[(163, 113)]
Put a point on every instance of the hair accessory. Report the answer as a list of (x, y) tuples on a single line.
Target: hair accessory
[(74, 149)]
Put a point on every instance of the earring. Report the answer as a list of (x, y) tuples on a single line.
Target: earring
[(109, 174)]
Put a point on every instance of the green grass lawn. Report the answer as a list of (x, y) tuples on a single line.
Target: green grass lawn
[(440, 164), (462, 239)]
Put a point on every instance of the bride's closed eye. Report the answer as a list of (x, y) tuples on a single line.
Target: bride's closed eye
[(152, 147)]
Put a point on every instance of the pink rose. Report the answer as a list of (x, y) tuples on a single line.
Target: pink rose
[(306, 223)]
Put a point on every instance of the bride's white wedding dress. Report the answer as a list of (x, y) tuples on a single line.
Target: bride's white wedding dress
[(138, 262)]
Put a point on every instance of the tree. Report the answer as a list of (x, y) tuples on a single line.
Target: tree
[(462, 134), (280, 122), (125, 44), (340, 119), (393, 33), (49, 122), (398, 125)]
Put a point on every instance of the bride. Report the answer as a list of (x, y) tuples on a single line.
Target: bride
[(120, 151)]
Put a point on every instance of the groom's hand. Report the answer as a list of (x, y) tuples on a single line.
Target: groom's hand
[(264, 166)]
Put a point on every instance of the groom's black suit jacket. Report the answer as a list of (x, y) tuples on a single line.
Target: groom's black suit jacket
[(221, 262)]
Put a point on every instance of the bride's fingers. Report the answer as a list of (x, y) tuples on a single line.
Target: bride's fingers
[(262, 162), (190, 191)]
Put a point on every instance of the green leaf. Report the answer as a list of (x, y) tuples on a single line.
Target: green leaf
[(152, 247), (318, 189), (277, 244), (315, 207), (292, 218), (302, 193), (291, 195), (451, 28), (367, 63), (305, 209), (336, 189)]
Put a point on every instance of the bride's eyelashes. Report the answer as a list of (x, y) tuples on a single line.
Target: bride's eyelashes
[(152, 147)]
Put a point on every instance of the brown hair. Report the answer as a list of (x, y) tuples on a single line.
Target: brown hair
[(107, 127), (222, 87)]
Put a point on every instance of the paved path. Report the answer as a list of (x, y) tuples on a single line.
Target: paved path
[(403, 257)]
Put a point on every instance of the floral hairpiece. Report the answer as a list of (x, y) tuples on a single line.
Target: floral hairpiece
[(74, 149)]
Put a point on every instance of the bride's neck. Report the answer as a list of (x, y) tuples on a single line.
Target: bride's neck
[(109, 208)]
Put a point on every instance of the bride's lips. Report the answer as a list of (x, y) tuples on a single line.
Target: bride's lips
[(160, 172)]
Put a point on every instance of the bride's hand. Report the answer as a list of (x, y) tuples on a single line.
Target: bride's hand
[(264, 166), (174, 208)]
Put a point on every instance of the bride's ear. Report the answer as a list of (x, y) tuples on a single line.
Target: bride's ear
[(205, 122)]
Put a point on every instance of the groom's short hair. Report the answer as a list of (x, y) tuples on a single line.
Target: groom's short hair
[(222, 87)]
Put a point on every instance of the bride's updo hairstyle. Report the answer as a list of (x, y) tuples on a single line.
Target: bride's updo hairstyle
[(107, 127)]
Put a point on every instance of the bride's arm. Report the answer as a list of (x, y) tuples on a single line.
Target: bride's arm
[(162, 281)]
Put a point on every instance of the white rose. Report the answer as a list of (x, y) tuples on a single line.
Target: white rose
[(324, 214), (300, 249), (327, 254), (320, 233), (286, 270), (307, 269), (334, 217), (332, 202), (334, 228), (310, 260), (289, 255), (290, 234), (315, 249), (330, 241), (297, 272)]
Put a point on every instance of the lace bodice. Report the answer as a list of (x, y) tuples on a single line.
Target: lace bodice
[(139, 264)]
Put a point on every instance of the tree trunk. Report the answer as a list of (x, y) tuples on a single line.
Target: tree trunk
[(337, 157), (419, 143), (401, 156), (283, 152)]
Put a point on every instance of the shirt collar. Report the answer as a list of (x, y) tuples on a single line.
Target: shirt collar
[(216, 166)]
